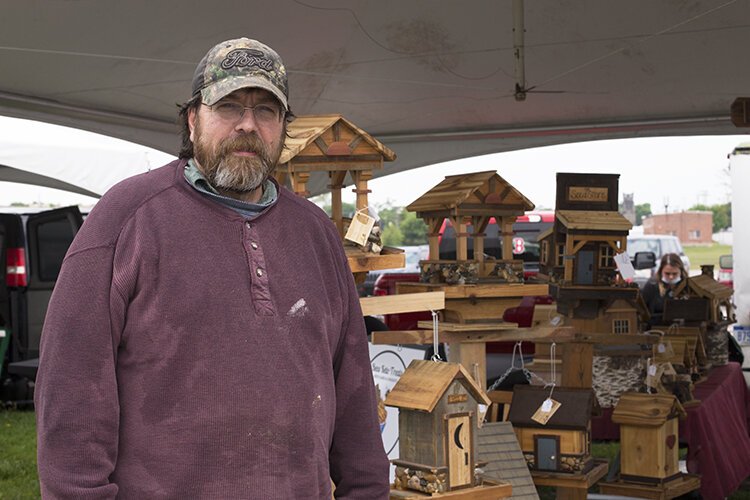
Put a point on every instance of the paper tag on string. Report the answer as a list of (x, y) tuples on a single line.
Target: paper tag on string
[(545, 412), (652, 370), (664, 350), (661, 348), (360, 228), (622, 261)]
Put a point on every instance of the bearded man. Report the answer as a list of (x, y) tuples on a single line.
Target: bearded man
[(204, 338)]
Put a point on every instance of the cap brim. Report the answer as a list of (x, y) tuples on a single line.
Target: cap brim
[(213, 93)]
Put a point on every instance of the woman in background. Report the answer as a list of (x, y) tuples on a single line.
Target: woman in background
[(662, 286)]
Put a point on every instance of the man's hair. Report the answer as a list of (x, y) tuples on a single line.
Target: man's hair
[(186, 148)]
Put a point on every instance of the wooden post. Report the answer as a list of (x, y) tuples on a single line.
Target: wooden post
[(506, 227), (433, 236), (299, 183), (577, 365), (480, 224), (360, 178), (473, 357), (568, 259), (337, 183), (462, 244)]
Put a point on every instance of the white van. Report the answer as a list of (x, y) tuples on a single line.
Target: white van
[(659, 244)]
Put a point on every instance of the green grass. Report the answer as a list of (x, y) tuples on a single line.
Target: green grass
[(18, 477), (701, 255)]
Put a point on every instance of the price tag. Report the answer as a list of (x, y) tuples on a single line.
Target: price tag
[(360, 228), (661, 348), (555, 321), (652, 370), (545, 412)]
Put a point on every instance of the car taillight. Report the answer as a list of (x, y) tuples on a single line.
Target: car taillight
[(724, 276), (15, 271)]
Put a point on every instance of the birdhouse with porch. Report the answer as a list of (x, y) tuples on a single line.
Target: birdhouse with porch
[(577, 255), (471, 200), (561, 444), (438, 419), (325, 149)]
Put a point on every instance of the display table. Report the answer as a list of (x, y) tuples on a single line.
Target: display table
[(715, 431)]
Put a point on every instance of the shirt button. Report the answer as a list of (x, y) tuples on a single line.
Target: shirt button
[(254, 245), (259, 272), (248, 225)]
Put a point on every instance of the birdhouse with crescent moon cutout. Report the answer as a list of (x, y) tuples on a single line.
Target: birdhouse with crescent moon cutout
[(438, 406)]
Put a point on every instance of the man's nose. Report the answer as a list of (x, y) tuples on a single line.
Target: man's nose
[(247, 122)]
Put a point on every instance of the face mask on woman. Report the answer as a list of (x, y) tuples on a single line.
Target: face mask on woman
[(672, 281)]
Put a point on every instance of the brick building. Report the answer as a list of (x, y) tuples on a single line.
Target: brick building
[(692, 228)]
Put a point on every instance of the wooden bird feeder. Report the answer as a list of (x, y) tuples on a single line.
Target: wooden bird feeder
[(334, 146), (438, 418), (477, 199)]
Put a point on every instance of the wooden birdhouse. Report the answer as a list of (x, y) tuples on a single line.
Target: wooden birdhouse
[(719, 297), (563, 443), (648, 436), (472, 199), (438, 410), (332, 146)]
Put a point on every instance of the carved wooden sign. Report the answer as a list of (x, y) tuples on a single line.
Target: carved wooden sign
[(588, 194), (457, 398)]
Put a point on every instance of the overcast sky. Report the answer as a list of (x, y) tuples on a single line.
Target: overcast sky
[(675, 171)]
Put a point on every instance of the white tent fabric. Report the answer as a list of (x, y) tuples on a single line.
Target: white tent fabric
[(85, 162)]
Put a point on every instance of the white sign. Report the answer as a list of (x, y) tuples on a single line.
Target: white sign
[(622, 261)]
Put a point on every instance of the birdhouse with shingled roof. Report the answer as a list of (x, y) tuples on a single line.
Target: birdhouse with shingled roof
[(475, 200), (332, 146), (438, 418), (563, 443)]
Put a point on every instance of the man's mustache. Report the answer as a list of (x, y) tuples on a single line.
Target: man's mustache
[(247, 142)]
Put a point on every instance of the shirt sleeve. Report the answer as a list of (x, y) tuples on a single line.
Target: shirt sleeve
[(76, 400), (359, 465)]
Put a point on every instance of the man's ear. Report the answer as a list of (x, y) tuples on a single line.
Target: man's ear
[(192, 118)]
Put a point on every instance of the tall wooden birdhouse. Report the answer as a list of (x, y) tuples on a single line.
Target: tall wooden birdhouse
[(563, 442), (648, 436), (438, 410)]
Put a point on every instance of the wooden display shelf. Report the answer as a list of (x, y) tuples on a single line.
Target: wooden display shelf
[(671, 489), (572, 486), (487, 491), (478, 291), (389, 258)]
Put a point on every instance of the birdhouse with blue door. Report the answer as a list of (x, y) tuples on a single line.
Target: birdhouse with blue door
[(438, 419)]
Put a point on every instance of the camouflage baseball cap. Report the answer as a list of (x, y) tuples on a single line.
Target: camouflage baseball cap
[(237, 64)]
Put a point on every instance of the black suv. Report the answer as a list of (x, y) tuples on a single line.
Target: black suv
[(33, 245)]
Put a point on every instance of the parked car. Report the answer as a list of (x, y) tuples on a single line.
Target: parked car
[(726, 271), (33, 245), (659, 245)]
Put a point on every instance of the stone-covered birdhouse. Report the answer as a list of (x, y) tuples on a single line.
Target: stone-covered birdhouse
[(563, 443), (649, 443), (332, 146), (471, 200), (438, 410)]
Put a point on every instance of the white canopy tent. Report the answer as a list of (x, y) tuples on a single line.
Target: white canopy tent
[(434, 81)]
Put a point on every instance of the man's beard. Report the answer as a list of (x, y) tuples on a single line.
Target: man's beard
[(226, 171)]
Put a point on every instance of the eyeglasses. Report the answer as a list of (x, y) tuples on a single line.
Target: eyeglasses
[(265, 113)]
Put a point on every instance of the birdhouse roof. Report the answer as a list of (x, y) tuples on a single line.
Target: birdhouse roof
[(595, 220), (647, 410), (498, 446), (708, 288), (424, 382), (486, 192), (576, 407), (330, 136)]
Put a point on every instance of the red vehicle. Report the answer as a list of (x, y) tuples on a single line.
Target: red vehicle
[(726, 271), (525, 247)]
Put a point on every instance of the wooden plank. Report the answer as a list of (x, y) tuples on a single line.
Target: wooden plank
[(396, 337), (466, 327), (672, 489), (485, 492), (396, 304), (362, 262), (563, 480), (489, 290), (471, 356)]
